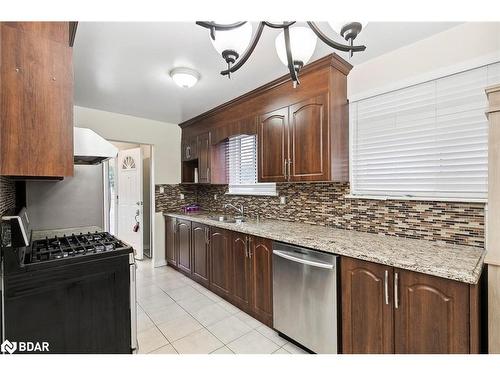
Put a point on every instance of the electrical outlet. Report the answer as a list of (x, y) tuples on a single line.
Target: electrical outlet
[(162, 189), (282, 199), (181, 196)]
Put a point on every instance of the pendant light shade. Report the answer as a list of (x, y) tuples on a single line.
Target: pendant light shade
[(235, 40), (302, 45)]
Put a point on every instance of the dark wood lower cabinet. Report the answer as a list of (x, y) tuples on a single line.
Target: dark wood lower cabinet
[(261, 255), (200, 253), (388, 310), (241, 270), (431, 315), (220, 262), (367, 320), (171, 252), (183, 238)]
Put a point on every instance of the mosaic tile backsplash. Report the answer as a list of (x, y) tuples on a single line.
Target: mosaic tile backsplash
[(328, 204), (7, 195)]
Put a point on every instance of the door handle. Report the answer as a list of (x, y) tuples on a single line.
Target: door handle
[(289, 168), (302, 261), (250, 251), (386, 287), (246, 247), (285, 168), (396, 290)]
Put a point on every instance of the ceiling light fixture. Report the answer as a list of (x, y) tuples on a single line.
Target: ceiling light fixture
[(294, 45), (185, 77)]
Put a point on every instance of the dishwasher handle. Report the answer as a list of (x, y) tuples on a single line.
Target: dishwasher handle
[(287, 255)]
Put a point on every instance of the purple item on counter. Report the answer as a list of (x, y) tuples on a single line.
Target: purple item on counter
[(192, 208)]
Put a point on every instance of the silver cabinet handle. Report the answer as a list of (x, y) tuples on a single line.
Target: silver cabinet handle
[(396, 290), (246, 247), (386, 287), (208, 174), (289, 168), (285, 167), (250, 252)]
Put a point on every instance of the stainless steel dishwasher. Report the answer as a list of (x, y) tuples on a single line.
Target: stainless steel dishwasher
[(305, 296)]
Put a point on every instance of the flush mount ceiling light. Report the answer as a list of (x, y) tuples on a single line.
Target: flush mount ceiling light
[(294, 45), (185, 77)]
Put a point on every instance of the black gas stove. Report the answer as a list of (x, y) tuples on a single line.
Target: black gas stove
[(73, 292), (73, 246)]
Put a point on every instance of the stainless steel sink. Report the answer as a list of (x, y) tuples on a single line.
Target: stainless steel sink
[(226, 218)]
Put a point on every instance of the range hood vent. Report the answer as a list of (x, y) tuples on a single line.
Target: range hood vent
[(90, 148)]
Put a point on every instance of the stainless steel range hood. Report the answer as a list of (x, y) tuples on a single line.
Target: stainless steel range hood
[(90, 148)]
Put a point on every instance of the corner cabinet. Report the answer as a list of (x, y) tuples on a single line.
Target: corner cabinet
[(294, 142), (389, 310), (36, 97)]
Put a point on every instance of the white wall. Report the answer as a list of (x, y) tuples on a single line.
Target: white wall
[(166, 141), (449, 51)]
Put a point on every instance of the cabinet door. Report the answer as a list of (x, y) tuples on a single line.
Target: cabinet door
[(273, 146), (171, 252), (367, 307), (200, 250), (430, 314), (308, 130), (184, 245), (36, 125), (189, 149), (220, 261), (261, 255), (240, 292), (204, 158)]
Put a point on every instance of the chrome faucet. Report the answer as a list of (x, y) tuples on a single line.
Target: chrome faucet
[(239, 209)]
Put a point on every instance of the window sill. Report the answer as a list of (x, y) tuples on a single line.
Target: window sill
[(259, 189), (405, 198), (252, 193)]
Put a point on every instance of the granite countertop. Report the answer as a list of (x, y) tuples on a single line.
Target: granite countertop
[(42, 234), (455, 262)]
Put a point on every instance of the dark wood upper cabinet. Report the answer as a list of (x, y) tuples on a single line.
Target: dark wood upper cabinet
[(204, 158), (261, 254), (308, 133), (189, 149), (200, 253), (220, 262), (367, 316), (303, 132), (36, 97), (431, 315), (273, 146), (241, 269), (183, 238), (171, 250)]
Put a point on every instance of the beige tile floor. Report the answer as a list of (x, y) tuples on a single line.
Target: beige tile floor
[(176, 315)]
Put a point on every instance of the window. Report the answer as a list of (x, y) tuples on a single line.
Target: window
[(241, 160), (425, 141)]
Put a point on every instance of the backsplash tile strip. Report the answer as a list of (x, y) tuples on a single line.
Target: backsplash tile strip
[(7, 195), (327, 204)]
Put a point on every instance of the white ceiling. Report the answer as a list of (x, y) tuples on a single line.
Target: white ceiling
[(123, 66)]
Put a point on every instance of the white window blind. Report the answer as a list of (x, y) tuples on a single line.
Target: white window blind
[(428, 141), (241, 160)]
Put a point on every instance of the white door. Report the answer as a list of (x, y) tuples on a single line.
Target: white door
[(130, 205)]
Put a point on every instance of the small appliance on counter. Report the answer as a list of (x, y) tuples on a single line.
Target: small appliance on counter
[(76, 292)]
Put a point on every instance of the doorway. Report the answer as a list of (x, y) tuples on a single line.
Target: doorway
[(127, 190)]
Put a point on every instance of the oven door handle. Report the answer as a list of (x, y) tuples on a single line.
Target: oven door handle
[(312, 263)]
